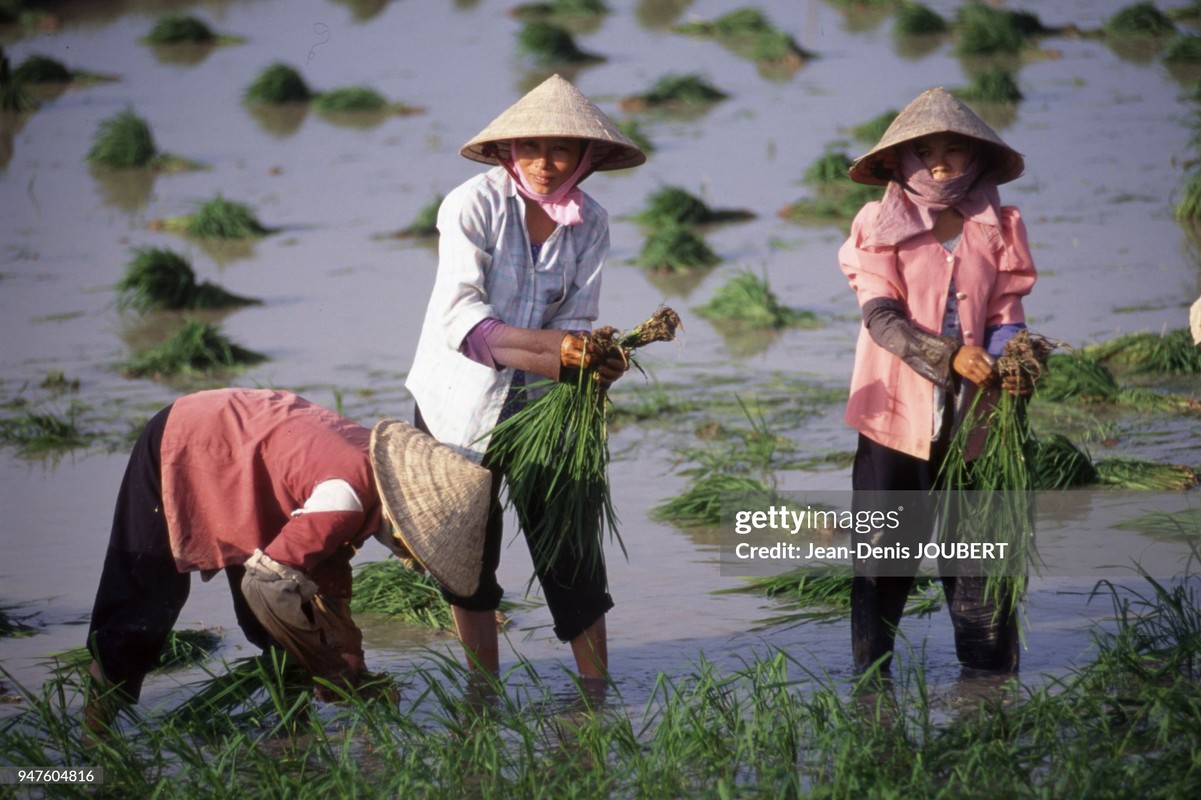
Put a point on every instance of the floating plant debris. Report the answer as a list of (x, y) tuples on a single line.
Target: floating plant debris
[(675, 92), (675, 248), (672, 205), (278, 83), (555, 453), (199, 347), (551, 44), (158, 279), (747, 300)]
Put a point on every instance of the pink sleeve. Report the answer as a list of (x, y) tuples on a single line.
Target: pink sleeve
[(871, 273), (475, 344), (1017, 274)]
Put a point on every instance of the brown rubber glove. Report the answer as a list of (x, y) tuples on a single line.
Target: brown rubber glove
[(578, 351)]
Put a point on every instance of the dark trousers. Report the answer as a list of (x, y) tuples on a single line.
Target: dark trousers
[(141, 592), (577, 595), (986, 635)]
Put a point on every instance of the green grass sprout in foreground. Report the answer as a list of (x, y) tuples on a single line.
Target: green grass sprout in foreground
[(199, 347), (1121, 726), (555, 453), (159, 279)]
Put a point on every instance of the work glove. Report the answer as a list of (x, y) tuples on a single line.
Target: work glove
[(578, 351)]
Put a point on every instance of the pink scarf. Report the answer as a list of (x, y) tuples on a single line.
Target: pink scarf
[(914, 198), (563, 204)]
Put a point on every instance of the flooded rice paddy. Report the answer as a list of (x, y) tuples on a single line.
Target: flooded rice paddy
[(1106, 134)]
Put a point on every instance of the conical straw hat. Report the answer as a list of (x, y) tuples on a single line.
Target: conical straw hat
[(436, 500), (556, 108), (937, 111)]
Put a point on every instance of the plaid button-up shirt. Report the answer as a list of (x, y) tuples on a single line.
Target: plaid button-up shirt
[(485, 269)]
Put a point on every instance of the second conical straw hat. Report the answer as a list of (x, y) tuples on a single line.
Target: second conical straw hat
[(436, 500), (556, 108), (937, 111)]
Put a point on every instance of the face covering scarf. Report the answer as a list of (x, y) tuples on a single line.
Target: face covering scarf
[(914, 197), (563, 204)]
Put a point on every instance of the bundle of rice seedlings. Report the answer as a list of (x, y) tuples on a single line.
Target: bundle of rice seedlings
[(990, 498), (995, 85), (823, 594), (555, 454), (1172, 353), (34, 432), (1184, 49), (677, 92), (550, 44), (278, 83), (158, 279), (1077, 376), (180, 29), (123, 142), (13, 96), (676, 249), (1180, 524), (1139, 19), (830, 167), (560, 8), (389, 587), (41, 69), (700, 505), (749, 33), (1130, 473), (983, 30), (197, 347), (183, 648), (349, 99), (249, 692), (915, 19), (425, 224), (672, 205), (873, 130), (1059, 464), (835, 201), (12, 626), (632, 129), (222, 219), (748, 301), (1189, 207)]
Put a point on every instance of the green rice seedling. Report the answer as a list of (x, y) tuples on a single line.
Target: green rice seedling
[(221, 219), (555, 453), (1172, 353), (676, 249), (829, 167), (748, 33), (700, 505), (550, 44), (915, 19), (41, 69), (632, 129), (199, 347), (984, 30), (157, 279), (393, 589), (672, 205), (56, 382), (276, 84), (675, 91), (823, 594), (425, 223), (1077, 376), (1189, 207), (248, 693), (1131, 473), (34, 432), (835, 202), (181, 29), (11, 624), (185, 647), (1184, 49), (995, 85), (1059, 464), (1139, 19), (1184, 524), (873, 130), (350, 99), (747, 300), (13, 96), (123, 142), (989, 499), (561, 8)]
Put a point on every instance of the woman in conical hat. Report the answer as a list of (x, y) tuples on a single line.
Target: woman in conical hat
[(520, 256), (939, 268)]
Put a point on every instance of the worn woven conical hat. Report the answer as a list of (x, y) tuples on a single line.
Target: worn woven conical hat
[(556, 108), (436, 500), (937, 111)]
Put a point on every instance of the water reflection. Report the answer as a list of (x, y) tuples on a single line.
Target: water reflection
[(128, 190), (659, 13), (280, 120), (182, 55)]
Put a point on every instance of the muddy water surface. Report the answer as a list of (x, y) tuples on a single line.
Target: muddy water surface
[(1104, 135)]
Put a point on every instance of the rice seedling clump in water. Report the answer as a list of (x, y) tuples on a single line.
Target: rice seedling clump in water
[(555, 454), (1173, 353), (158, 279), (13, 96), (915, 19), (197, 347), (676, 249), (997, 85), (983, 30), (425, 224), (747, 300), (1185, 49), (180, 30), (676, 92), (672, 205), (41, 69), (123, 142), (353, 98), (549, 43), (1140, 19), (224, 219), (278, 83)]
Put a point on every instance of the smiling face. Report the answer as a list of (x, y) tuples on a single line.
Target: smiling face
[(946, 155), (547, 162)]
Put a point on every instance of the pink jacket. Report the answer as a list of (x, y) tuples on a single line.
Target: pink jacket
[(889, 402), (236, 464)]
